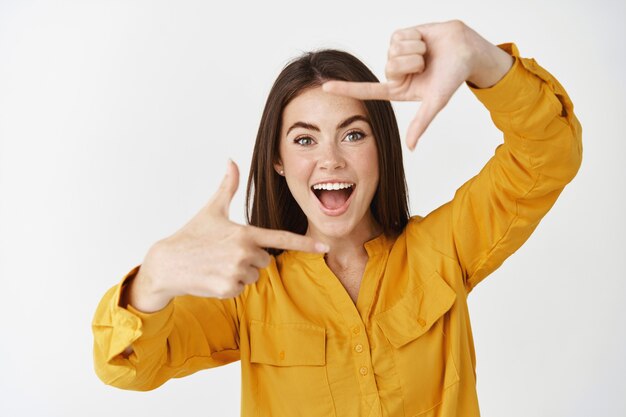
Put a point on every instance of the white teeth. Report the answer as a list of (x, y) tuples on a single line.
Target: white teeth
[(332, 186)]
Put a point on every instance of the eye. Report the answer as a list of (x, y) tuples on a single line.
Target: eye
[(303, 141), (354, 136)]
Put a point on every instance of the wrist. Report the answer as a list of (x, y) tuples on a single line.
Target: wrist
[(146, 292), (144, 296), (489, 64)]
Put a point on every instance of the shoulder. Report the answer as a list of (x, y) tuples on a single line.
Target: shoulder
[(431, 233)]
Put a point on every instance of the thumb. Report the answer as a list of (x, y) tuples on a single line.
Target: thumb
[(220, 202), (426, 113)]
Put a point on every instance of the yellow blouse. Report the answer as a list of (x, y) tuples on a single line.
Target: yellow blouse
[(406, 347)]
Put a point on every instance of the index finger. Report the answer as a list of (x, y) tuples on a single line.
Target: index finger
[(358, 90), (281, 239)]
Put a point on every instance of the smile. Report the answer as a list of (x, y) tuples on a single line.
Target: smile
[(334, 197)]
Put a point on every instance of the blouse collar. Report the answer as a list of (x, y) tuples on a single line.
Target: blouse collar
[(373, 247)]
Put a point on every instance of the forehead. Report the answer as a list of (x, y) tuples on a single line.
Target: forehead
[(320, 108)]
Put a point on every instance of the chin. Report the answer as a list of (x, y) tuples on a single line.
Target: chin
[(334, 227)]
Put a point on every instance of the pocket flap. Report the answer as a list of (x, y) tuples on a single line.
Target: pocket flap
[(287, 344), (417, 311)]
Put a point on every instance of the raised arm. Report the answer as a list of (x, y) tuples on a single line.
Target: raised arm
[(495, 212), (180, 311)]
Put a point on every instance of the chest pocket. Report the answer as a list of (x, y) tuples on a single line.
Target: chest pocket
[(414, 328), (288, 365), (287, 344)]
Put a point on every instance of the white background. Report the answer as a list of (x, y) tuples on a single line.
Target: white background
[(116, 121)]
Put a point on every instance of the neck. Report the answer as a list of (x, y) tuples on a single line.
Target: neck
[(346, 248)]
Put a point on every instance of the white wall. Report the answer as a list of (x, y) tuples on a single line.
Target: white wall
[(116, 121)]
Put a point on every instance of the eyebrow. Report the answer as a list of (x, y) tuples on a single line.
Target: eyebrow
[(341, 125)]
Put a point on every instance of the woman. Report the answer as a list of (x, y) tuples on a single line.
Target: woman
[(335, 301)]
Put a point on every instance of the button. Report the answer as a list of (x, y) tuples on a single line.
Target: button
[(358, 348), (356, 330), (363, 370), (421, 322), (281, 355)]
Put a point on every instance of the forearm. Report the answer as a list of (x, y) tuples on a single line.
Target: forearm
[(537, 119), (495, 212), (188, 334)]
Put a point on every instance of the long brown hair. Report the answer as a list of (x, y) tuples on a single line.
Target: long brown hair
[(269, 203)]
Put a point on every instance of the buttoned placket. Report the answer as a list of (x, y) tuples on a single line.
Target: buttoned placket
[(357, 319)]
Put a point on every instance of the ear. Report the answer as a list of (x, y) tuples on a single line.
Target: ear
[(278, 166)]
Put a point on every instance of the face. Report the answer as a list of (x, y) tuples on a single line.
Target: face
[(329, 159)]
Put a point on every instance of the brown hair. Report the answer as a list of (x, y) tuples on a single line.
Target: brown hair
[(269, 203)]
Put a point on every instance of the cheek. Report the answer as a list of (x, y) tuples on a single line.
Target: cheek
[(298, 166), (370, 166), (298, 171), (293, 161)]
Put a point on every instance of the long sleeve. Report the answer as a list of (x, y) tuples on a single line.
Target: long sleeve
[(495, 212), (189, 334)]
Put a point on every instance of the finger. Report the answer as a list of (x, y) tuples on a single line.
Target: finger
[(411, 47), (405, 34), (401, 66), (259, 258), (358, 90), (426, 113), (281, 239), (249, 276), (220, 202), (231, 290)]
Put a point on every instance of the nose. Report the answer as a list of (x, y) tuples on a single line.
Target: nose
[(331, 157)]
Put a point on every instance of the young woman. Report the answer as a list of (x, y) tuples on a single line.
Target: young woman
[(336, 301)]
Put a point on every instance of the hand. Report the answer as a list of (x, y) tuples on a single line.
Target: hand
[(428, 63), (210, 256)]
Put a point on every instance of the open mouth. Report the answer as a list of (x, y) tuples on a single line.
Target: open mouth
[(334, 197)]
